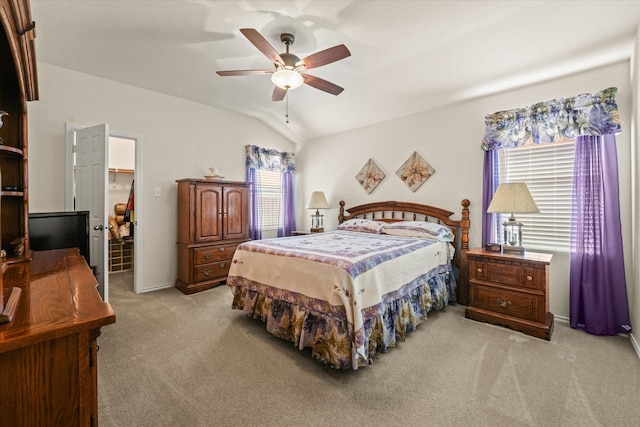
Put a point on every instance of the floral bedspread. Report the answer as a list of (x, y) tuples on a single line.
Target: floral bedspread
[(347, 295)]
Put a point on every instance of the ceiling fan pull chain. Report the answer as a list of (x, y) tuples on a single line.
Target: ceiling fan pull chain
[(286, 114)]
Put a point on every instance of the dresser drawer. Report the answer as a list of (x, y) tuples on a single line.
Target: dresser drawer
[(210, 254), (211, 271), (516, 304)]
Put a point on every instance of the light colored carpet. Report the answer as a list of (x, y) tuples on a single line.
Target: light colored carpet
[(177, 360)]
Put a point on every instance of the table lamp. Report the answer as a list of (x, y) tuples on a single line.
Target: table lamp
[(511, 198), (318, 201)]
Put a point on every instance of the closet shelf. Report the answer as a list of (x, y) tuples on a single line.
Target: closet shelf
[(116, 170)]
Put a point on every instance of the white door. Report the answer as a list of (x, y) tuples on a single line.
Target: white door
[(91, 177)]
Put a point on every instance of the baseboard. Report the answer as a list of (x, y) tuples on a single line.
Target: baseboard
[(157, 288), (632, 338), (635, 344)]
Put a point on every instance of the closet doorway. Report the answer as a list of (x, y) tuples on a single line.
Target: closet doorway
[(121, 211), (115, 201)]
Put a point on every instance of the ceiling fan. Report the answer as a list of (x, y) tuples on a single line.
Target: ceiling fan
[(287, 74)]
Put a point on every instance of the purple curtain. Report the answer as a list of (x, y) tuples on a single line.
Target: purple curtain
[(255, 230), (598, 291), (490, 180), (288, 223)]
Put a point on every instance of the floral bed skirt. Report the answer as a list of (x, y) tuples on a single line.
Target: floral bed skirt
[(330, 335)]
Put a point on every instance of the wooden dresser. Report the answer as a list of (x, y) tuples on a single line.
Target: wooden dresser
[(213, 219), (510, 290), (48, 352)]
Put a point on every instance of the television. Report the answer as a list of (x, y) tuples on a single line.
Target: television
[(60, 230)]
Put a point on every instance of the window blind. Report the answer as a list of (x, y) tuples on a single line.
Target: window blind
[(269, 190), (547, 169)]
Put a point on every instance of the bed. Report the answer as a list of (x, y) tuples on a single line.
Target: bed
[(352, 293)]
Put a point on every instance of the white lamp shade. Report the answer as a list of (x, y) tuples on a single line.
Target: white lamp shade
[(513, 197), (287, 79), (318, 201)]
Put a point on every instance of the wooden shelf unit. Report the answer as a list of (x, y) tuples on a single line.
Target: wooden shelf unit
[(120, 255), (18, 84)]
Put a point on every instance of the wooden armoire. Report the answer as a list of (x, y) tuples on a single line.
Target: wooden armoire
[(213, 219), (51, 310)]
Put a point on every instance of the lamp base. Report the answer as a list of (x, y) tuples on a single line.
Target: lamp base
[(513, 249), (317, 229)]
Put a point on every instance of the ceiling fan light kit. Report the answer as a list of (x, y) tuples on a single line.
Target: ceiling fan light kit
[(287, 79), (287, 74)]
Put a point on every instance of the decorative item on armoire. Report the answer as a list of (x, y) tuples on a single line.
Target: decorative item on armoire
[(415, 171), (370, 176), (214, 173)]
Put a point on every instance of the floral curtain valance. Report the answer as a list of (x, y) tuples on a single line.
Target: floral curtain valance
[(270, 159), (553, 121)]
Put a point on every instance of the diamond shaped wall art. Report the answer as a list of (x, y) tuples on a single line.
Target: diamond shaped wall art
[(415, 171), (370, 176)]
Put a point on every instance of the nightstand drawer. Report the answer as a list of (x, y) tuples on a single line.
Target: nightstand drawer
[(508, 273), (516, 304), (211, 254)]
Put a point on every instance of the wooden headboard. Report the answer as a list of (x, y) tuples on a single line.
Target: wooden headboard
[(392, 211)]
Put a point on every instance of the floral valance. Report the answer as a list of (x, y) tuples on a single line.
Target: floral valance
[(553, 121), (270, 159)]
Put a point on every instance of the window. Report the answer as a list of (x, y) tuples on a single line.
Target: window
[(269, 196), (547, 169)]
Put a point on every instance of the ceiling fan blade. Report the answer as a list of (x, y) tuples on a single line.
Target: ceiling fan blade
[(243, 72), (326, 56), (278, 94), (322, 84), (262, 44)]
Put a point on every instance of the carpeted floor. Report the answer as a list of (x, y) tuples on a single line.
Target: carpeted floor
[(177, 360)]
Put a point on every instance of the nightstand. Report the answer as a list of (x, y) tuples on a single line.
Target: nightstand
[(510, 290), (304, 232)]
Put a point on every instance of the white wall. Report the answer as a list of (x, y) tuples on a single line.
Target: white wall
[(449, 139), (181, 139)]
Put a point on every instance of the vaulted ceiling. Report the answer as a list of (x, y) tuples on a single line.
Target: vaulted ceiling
[(406, 57)]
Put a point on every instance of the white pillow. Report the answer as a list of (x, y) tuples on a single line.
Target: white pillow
[(363, 225), (419, 229)]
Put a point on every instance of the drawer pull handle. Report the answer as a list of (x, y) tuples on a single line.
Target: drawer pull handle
[(221, 265), (206, 256), (207, 272), (529, 278), (221, 249), (479, 270), (503, 302)]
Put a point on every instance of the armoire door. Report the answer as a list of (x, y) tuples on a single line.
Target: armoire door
[(235, 213), (208, 213)]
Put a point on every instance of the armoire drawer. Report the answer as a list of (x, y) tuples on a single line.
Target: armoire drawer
[(211, 271), (210, 254)]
